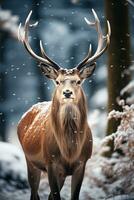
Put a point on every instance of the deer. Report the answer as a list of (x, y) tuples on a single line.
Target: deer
[(55, 136)]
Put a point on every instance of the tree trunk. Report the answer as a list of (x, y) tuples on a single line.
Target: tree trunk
[(2, 90), (118, 55)]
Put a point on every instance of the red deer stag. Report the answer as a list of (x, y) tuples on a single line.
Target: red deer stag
[(55, 136)]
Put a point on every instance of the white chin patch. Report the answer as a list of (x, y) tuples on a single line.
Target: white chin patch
[(68, 100)]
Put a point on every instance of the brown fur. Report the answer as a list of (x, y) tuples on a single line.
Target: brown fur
[(65, 125), (56, 136)]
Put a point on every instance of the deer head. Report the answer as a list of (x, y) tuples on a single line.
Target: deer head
[(68, 81)]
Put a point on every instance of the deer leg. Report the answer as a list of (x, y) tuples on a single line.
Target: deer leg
[(33, 179), (61, 182), (76, 183), (56, 181)]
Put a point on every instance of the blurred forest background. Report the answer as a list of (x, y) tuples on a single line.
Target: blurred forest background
[(66, 38)]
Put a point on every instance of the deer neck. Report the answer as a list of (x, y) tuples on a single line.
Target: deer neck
[(68, 122)]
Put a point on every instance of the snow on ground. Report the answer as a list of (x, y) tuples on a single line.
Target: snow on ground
[(12, 167), (105, 178)]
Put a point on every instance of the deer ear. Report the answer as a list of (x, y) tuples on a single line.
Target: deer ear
[(49, 71), (87, 71)]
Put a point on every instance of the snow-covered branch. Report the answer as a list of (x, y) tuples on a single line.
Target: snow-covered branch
[(129, 88), (9, 22), (126, 116)]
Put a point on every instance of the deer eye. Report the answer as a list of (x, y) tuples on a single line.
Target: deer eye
[(62, 82), (73, 81), (79, 82), (57, 82)]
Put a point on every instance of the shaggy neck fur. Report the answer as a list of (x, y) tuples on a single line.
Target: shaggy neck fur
[(68, 122)]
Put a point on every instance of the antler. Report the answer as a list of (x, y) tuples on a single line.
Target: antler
[(100, 49), (24, 39)]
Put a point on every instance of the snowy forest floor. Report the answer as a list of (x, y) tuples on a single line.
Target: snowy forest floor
[(105, 178)]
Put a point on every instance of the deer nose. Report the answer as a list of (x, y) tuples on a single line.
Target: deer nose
[(67, 93)]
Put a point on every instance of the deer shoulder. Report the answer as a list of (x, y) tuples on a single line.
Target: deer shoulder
[(32, 125)]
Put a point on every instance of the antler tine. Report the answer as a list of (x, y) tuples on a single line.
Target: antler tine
[(86, 58), (109, 29), (107, 37), (99, 30), (24, 40), (100, 49), (19, 33), (54, 64), (100, 36)]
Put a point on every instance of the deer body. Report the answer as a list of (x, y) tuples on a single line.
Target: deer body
[(36, 132), (55, 136), (37, 136)]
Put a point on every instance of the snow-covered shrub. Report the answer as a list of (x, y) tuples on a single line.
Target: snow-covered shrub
[(125, 131), (118, 169), (124, 137), (129, 88), (126, 116)]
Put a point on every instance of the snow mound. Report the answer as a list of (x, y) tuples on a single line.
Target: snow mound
[(12, 167)]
